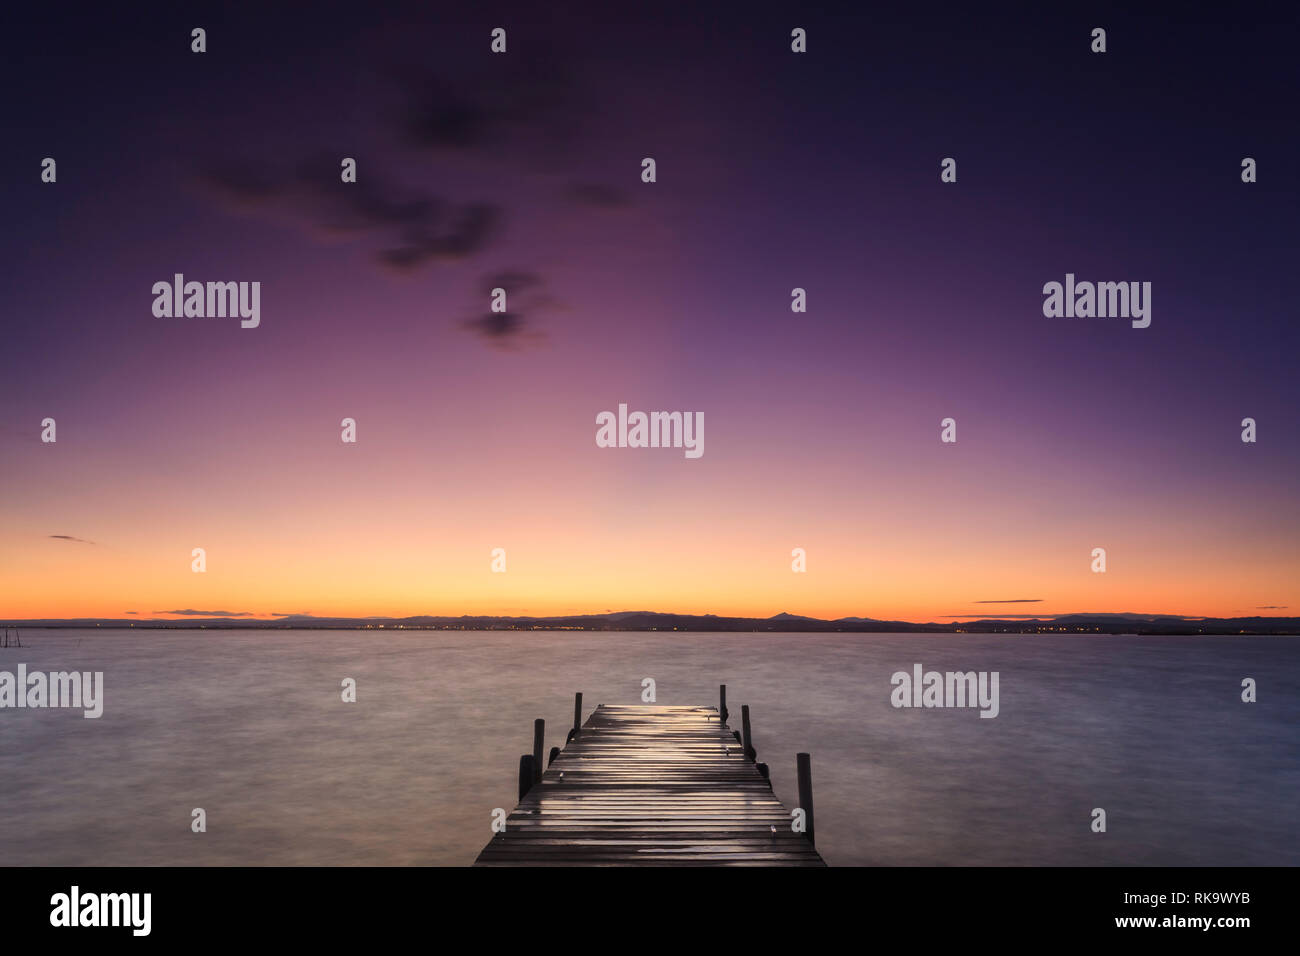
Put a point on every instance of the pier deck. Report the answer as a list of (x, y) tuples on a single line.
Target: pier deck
[(651, 786)]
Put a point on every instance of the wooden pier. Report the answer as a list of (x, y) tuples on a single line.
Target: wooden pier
[(652, 786)]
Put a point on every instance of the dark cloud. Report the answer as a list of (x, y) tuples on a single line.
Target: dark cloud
[(190, 612), (413, 227), (435, 115), (523, 110), (469, 230), (496, 327), (1272, 607), (68, 537), (520, 105), (514, 328), (1013, 601)]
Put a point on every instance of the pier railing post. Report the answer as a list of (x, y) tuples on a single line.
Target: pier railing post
[(747, 739), (525, 775), (577, 713), (555, 752), (539, 735), (804, 764), (722, 701)]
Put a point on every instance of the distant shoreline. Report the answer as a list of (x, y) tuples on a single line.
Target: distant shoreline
[(648, 621)]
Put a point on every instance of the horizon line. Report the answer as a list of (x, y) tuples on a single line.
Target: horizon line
[(190, 617)]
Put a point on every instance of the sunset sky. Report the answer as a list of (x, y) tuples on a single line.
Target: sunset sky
[(775, 170)]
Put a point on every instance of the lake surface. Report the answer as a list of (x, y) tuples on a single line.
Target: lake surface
[(250, 726)]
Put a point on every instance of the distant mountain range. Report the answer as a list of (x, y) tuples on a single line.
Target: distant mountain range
[(655, 621)]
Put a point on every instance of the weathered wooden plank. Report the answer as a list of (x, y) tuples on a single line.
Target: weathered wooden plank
[(651, 786)]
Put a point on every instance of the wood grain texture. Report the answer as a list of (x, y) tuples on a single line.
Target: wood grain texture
[(651, 786)]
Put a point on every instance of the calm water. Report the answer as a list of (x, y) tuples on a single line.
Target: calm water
[(250, 726)]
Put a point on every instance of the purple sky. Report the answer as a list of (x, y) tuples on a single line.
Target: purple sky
[(775, 170)]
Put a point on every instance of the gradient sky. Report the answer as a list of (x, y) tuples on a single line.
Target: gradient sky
[(775, 170)]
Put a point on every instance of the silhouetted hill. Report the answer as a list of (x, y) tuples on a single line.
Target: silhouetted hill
[(659, 621)]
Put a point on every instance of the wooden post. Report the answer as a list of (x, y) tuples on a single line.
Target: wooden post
[(525, 775), (804, 763), (748, 738), (555, 752), (577, 713), (539, 734), (722, 702)]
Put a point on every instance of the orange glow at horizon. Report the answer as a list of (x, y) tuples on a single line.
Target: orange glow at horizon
[(349, 564), (396, 527)]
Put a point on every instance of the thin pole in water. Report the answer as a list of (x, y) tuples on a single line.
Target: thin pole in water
[(539, 735), (804, 764), (525, 775)]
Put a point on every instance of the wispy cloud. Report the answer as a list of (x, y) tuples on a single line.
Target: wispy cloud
[(1012, 601), (530, 106), (68, 537), (410, 227), (525, 297), (529, 112)]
